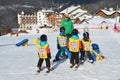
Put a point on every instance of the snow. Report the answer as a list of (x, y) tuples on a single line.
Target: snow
[(19, 63), (107, 12)]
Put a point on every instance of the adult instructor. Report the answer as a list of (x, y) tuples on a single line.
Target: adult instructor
[(68, 25)]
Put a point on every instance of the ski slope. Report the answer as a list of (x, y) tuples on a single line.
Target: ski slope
[(19, 63)]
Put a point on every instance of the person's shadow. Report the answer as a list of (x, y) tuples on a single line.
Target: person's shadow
[(57, 63)]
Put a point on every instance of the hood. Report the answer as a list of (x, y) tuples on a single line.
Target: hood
[(43, 43), (74, 37)]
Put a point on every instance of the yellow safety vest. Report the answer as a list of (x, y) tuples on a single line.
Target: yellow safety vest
[(86, 45), (74, 45), (62, 41), (98, 56), (42, 53)]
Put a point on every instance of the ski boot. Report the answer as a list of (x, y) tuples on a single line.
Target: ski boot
[(91, 61), (72, 65), (38, 71), (76, 65), (48, 70), (82, 62), (56, 59)]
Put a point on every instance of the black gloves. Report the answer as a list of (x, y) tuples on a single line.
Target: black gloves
[(49, 55), (58, 46)]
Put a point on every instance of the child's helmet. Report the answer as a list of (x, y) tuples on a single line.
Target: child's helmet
[(75, 32), (95, 46), (62, 29), (85, 34), (43, 37)]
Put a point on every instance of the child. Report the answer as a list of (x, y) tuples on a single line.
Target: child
[(43, 53), (74, 46), (97, 55), (62, 44), (86, 48)]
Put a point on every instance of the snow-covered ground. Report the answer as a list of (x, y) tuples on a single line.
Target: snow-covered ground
[(19, 63)]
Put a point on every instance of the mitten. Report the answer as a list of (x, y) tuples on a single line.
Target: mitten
[(49, 55), (58, 46)]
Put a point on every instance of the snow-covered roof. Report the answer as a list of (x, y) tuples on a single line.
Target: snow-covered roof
[(78, 15), (74, 11), (97, 21), (82, 16), (78, 11), (107, 12), (69, 9)]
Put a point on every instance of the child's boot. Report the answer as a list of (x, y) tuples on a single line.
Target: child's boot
[(76, 65), (56, 59), (82, 62), (48, 70), (72, 65), (39, 70)]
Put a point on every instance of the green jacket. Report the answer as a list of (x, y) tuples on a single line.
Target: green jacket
[(68, 25)]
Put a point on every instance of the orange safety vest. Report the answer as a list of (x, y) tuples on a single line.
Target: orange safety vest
[(62, 41), (86, 45), (74, 45), (42, 53)]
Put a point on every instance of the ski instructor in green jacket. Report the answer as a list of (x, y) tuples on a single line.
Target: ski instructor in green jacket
[(68, 25)]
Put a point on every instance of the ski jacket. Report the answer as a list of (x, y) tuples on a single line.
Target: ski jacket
[(74, 44), (68, 25), (43, 50)]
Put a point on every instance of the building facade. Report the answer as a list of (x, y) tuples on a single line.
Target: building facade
[(35, 20)]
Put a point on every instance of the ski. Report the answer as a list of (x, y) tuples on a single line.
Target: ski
[(76, 68), (81, 63), (91, 62), (38, 71), (58, 60), (48, 71)]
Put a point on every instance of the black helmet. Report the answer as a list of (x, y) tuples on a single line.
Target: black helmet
[(62, 29), (86, 34), (43, 37), (75, 32)]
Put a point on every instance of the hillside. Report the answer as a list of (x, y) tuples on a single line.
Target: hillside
[(20, 63), (10, 8)]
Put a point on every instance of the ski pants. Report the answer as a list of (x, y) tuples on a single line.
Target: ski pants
[(41, 61), (82, 57), (74, 58), (66, 50)]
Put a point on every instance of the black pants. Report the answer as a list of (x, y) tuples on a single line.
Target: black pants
[(74, 58), (41, 61), (87, 53)]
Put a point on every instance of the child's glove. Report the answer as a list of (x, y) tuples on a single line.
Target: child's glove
[(58, 46), (49, 55)]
